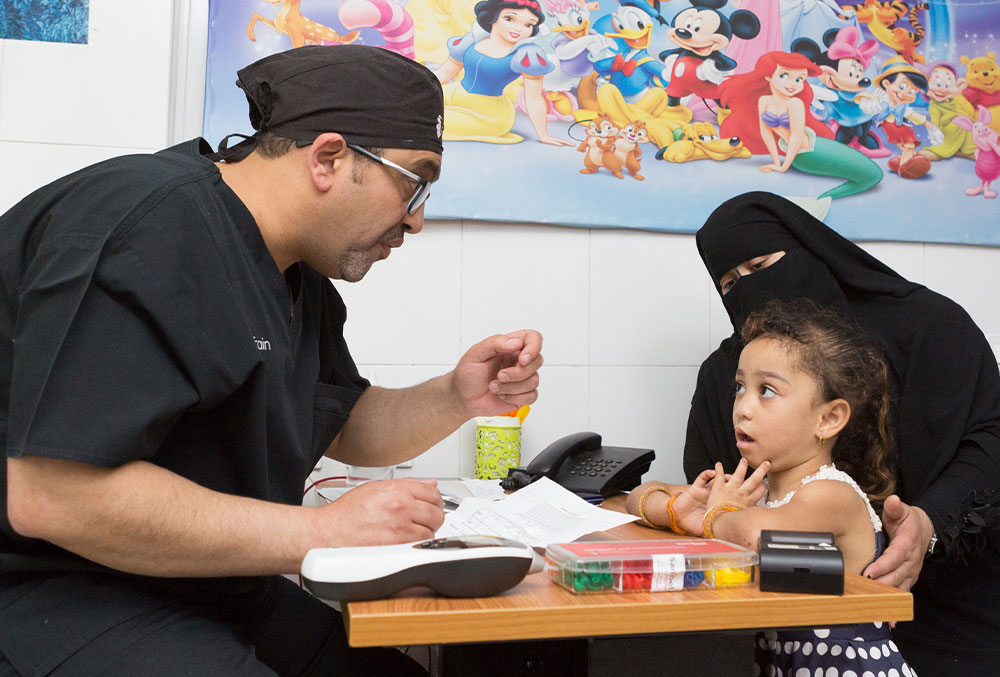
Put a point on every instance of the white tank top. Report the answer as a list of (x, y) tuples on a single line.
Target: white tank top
[(830, 472)]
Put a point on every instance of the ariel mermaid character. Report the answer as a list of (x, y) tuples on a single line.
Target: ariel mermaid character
[(493, 55), (770, 114)]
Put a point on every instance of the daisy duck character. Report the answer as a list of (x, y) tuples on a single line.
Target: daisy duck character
[(576, 46), (575, 42)]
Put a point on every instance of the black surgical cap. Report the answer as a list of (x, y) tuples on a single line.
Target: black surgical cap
[(371, 96)]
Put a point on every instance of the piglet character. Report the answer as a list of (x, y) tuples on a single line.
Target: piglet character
[(987, 151)]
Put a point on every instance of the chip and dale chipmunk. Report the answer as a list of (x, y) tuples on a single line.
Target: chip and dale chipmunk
[(607, 146)]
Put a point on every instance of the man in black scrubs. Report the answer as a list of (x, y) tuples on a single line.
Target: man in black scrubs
[(173, 366)]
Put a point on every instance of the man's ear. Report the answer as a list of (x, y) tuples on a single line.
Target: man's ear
[(834, 415), (326, 156)]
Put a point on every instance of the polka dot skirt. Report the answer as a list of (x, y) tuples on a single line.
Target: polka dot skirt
[(865, 650)]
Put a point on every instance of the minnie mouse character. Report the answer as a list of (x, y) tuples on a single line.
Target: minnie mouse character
[(842, 98)]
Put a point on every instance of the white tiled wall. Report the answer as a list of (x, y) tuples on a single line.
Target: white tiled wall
[(627, 315)]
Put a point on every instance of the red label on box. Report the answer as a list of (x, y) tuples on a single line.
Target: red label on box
[(620, 549)]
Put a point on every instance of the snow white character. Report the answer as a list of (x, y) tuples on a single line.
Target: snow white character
[(770, 113), (493, 55)]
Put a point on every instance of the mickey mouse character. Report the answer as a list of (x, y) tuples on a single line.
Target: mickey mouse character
[(698, 66)]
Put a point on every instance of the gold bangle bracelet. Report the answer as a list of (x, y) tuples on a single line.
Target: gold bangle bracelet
[(674, 527), (642, 505), (708, 523)]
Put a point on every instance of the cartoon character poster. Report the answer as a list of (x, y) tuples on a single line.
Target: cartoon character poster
[(45, 20), (880, 116)]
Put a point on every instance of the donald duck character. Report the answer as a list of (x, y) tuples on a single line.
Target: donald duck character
[(632, 70), (634, 84)]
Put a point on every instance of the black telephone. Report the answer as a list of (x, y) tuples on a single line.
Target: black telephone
[(583, 465)]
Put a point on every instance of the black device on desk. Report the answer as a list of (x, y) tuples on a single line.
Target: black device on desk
[(800, 561), (582, 464)]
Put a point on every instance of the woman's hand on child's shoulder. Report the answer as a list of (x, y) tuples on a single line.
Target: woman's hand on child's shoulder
[(738, 488)]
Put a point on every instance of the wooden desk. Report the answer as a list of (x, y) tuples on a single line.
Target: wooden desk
[(539, 609)]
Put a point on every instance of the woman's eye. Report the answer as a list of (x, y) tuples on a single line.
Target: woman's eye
[(739, 388), (765, 391), (726, 285)]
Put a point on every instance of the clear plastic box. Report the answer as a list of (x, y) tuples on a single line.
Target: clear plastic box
[(649, 566)]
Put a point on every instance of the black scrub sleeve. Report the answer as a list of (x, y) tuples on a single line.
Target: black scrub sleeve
[(331, 408), (93, 378)]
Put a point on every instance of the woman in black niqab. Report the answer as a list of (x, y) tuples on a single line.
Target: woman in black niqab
[(947, 396)]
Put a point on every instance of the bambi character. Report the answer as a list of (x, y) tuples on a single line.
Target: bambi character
[(770, 114), (493, 55), (300, 30)]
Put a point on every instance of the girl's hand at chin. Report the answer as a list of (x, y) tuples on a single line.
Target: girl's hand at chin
[(738, 488)]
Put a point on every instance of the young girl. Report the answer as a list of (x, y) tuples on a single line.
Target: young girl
[(812, 414), (770, 114)]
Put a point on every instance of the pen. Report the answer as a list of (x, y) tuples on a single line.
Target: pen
[(450, 502)]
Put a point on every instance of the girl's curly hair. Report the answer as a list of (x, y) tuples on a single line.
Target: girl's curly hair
[(847, 365)]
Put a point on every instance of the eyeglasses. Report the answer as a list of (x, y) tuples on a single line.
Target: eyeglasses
[(420, 193)]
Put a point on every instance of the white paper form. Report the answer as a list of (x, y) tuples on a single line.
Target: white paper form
[(539, 514)]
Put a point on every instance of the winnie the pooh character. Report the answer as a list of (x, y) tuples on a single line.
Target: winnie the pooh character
[(983, 77)]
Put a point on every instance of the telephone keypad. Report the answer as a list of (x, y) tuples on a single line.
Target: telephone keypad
[(594, 466)]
